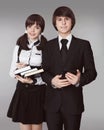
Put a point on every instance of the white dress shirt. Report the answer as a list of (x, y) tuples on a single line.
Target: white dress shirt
[(33, 57), (69, 38)]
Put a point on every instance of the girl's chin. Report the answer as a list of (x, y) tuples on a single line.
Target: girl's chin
[(32, 37)]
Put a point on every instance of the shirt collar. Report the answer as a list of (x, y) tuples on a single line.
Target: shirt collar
[(31, 43)]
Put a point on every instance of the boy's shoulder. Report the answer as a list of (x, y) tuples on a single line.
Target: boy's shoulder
[(79, 39), (52, 42)]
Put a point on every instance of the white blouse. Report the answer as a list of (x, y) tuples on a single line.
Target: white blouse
[(33, 57)]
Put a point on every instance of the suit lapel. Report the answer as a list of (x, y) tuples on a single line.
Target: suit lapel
[(72, 46), (71, 51), (56, 53)]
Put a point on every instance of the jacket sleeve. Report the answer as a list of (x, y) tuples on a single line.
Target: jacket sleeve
[(89, 71), (46, 76)]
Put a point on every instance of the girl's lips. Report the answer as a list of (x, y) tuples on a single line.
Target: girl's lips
[(32, 34)]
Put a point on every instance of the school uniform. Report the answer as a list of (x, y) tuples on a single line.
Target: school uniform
[(28, 100), (65, 105)]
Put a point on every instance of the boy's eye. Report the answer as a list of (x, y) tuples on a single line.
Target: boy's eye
[(67, 18), (59, 19)]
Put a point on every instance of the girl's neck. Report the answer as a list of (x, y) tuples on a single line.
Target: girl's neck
[(32, 40)]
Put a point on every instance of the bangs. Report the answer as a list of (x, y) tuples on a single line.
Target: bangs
[(35, 19), (32, 22)]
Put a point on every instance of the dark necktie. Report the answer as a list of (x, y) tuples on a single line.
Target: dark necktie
[(64, 50)]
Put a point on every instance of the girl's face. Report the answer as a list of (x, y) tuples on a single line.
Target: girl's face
[(33, 31), (63, 25)]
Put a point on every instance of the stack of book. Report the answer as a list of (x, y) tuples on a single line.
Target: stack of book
[(27, 71)]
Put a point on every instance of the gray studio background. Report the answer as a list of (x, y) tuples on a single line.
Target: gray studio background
[(89, 25)]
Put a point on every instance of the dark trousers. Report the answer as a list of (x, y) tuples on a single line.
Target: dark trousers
[(60, 119)]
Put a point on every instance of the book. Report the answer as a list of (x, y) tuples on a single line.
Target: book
[(28, 71), (19, 71), (33, 72), (71, 71)]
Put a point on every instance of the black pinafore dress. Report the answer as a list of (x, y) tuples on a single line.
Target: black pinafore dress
[(27, 104)]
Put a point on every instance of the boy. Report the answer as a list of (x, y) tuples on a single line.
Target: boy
[(69, 64)]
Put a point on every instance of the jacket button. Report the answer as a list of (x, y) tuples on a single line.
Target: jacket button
[(26, 85)]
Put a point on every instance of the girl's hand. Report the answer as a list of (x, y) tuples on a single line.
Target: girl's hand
[(20, 65), (24, 80)]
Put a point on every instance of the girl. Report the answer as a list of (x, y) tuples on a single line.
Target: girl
[(27, 103)]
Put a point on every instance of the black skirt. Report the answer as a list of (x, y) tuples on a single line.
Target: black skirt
[(27, 104)]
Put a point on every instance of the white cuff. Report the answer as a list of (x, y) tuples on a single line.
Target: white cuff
[(53, 86), (77, 85)]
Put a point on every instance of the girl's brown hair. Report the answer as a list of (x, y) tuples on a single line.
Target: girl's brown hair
[(23, 40)]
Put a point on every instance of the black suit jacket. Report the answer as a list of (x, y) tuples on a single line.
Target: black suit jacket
[(80, 57)]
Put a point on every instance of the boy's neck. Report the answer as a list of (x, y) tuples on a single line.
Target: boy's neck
[(64, 35)]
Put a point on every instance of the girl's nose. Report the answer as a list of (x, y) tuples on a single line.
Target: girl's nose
[(32, 29)]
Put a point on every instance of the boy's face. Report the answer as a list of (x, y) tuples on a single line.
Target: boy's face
[(63, 25)]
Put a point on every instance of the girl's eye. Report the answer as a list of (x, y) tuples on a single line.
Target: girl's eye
[(29, 26), (37, 27)]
